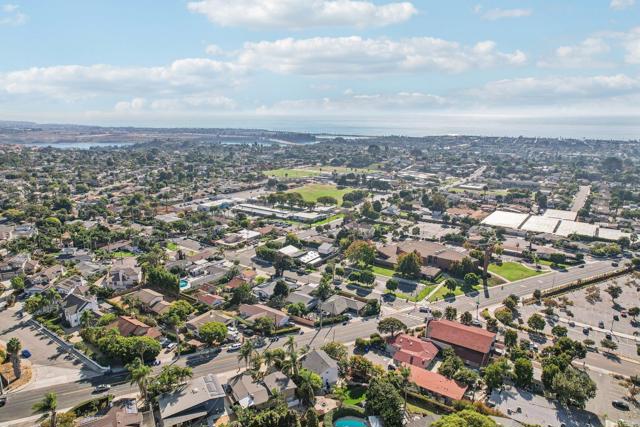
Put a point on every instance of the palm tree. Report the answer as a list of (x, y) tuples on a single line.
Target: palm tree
[(48, 404), (405, 373), (86, 318), (269, 359), (13, 348), (247, 351), (140, 374)]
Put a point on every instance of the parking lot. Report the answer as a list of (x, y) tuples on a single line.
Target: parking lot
[(49, 362), (610, 389)]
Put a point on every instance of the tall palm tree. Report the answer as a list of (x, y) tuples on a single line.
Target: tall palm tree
[(247, 351), (86, 318), (13, 348), (49, 404), (269, 359), (405, 373), (140, 374)]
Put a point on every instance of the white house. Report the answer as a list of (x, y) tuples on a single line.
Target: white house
[(318, 361)]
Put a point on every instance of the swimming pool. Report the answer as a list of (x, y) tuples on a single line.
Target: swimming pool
[(183, 284), (350, 422)]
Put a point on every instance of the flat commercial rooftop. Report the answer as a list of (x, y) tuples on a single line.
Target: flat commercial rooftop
[(551, 225), (506, 219), (560, 214), (540, 224), (567, 228)]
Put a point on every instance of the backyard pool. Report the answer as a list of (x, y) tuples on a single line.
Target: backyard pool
[(350, 422), (183, 284)]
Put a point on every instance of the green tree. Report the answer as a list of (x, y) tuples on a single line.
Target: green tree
[(391, 325), (48, 406), (523, 372), (450, 313), (510, 338), (559, 331), (495, 373), (384, 401), (451, 363), (213, 332), (246, 352), (573, 387), (13, 348), (614, 292), (536, 322), (465, 418), (139, 374), (409, 265), (608, 344), (392, 284), (361, 252), (466, 318), (336, 350)]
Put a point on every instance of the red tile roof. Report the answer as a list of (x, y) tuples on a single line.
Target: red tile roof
[(455, 333), (412, 350), (436, 383)]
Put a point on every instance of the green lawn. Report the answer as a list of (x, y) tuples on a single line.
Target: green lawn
[(328, 220), (355, 395), (513, 271), (550, 264), (420, 296), (312, 192), (445, 292), (382, 271), (291, 173), (172, 246)]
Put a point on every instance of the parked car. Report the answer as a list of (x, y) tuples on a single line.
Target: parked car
[(3, 400), (601, 324), (572, 323), (476, 323), (171, 346), (424, 309), (614, 264), (620, 404), (585, 331), (25, 353), (616, 317), (235, 346), (102, 388)]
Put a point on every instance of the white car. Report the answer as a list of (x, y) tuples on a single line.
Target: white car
[(235, 346)]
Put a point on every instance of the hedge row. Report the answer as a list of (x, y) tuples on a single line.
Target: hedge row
[(286, 330), (331, 320), (429, 403)]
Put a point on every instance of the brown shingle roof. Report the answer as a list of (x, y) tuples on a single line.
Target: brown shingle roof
[(461, 335)]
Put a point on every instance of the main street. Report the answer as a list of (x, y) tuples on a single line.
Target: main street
[(19, 403)]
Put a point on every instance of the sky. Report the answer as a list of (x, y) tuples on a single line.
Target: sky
[(566, 68)]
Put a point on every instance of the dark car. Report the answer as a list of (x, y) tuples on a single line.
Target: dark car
[(25, 353), (3, 400), (620, 404)]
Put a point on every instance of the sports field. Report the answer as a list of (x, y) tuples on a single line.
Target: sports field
[(291, 173), (311, 192)]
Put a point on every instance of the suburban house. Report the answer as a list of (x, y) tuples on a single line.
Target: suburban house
[(434, 256), (318, 361), (412, 350), (201, 400), (338, 304), (123, 413), (251, 312), (194, 324), (265, 290), (45, 276), (210, 300), (473, 345), (124, 273), (75, 304), (69, 284), (152, 301), (296, 297), (436, 385), (16, 265), (246, 392), (130, 326)]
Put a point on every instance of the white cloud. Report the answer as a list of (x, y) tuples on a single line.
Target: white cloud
[(10, 15), (297, 14), (76, 82), (214, 50), (363, 56), (495, 14), (621, 4), (579, 56), (557, 90), (631, 42)]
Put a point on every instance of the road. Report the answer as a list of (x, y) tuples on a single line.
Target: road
[(497, 294), (19, 403), (475, 175), (580, 198)]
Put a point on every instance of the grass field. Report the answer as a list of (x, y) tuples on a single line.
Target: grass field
[(328, 220), (291, 173), (513, 271), (420, 296), (311, 192)]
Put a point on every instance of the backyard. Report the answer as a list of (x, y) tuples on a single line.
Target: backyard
[(513, 271)]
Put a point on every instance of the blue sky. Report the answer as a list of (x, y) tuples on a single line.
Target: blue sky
[(547, 67)]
